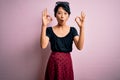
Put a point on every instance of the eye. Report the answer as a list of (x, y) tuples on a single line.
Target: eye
[(59, 13), (65, 13)]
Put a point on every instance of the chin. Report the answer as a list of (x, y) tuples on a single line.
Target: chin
[(61, 23)]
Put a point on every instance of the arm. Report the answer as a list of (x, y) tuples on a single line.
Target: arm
[(79, 40), (46, 19), (44, 40)]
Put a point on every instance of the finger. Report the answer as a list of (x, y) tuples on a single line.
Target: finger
[(48, 15), (83, 14), (43, 13), (76, 18), (46, 11), (50, 18), (80, 18)]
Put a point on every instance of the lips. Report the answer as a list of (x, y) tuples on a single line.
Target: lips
[(62, 20)]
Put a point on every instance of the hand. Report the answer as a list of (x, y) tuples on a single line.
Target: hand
[(80, 19), (46, 19)]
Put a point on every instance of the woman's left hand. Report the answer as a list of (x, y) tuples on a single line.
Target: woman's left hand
[(80, 19)]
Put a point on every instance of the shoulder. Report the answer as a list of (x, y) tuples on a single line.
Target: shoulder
[(73, 29), (49, 28), (49, 32)]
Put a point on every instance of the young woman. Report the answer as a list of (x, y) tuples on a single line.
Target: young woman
[(61, 37)]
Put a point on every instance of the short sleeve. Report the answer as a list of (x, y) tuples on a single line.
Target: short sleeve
[(48, 32), (74, 32)]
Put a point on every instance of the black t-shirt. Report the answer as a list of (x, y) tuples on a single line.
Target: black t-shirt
[(61, 44)]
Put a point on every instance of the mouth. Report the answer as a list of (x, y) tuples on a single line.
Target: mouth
[(62, 20)]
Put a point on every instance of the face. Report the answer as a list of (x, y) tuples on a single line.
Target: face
[(62, 16)]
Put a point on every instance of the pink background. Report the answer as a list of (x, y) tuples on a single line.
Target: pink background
[(21, 58)]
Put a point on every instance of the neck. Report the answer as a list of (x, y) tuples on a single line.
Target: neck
[(61, 25)]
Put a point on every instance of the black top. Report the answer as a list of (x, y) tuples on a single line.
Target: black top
[(61, 44)]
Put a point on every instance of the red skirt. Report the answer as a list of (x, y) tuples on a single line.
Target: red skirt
[(59, 67)]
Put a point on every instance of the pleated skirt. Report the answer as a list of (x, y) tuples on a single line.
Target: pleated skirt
[(59, 67)]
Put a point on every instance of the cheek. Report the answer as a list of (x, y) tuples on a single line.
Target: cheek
[(67, 17), (57, 16)]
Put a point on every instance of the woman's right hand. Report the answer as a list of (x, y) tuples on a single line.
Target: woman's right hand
[(46, 18)]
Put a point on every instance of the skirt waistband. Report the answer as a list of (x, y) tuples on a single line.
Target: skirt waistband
[(60, 52)]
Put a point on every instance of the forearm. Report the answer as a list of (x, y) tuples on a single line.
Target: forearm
[(81, 39), (43, 42)]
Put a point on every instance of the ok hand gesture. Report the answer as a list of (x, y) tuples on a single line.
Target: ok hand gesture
[(80, 19), (46, 18)]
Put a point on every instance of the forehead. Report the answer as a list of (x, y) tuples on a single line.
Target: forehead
[(60, 9)]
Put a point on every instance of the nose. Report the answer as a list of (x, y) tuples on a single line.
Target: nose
[(62, 16)]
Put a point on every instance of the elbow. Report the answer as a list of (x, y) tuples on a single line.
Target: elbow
[(80, 48), (42, 46)]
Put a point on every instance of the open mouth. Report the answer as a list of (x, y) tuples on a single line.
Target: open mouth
[(61, 20)]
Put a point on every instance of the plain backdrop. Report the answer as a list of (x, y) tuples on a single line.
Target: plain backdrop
[(21, 57)]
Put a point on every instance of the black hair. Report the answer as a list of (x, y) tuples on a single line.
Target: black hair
[(64, 5)]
